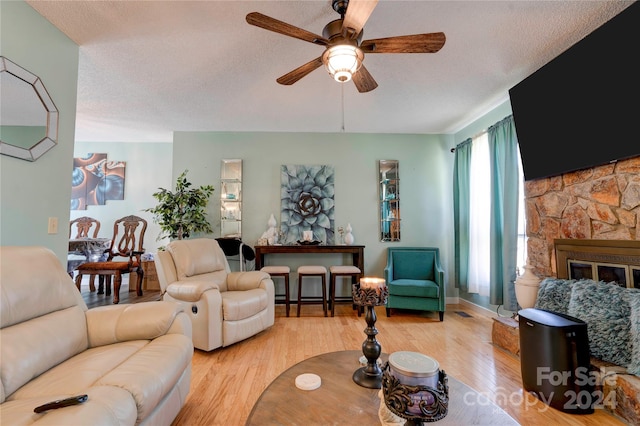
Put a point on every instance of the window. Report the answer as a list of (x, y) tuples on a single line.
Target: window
[(479, 213)]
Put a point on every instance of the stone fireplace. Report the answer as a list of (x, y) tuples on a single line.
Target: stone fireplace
[(586, 224), (600, 203)]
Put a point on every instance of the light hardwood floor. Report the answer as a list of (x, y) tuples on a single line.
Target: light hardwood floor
[(227, 382)]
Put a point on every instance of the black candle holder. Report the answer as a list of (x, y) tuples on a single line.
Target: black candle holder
[(370, 376), (398, 398)]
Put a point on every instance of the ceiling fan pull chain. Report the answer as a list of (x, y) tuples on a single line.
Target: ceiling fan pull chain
[(342, 95)]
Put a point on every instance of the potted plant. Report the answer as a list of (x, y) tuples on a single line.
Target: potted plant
[(182, 213)]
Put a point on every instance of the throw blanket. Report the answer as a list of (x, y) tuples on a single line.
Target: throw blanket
[(612, 314)]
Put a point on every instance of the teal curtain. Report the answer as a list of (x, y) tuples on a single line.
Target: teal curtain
[(461, 195), (503, 151)]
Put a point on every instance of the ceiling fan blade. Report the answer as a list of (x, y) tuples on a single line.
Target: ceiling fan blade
[(295, 75), (272, 24), (363, 80), (358, 11), (417, 43)]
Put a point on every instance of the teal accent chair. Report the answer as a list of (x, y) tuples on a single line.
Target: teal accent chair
[(415, 279)]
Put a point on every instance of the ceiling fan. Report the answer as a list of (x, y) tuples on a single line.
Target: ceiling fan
[(344, 47)]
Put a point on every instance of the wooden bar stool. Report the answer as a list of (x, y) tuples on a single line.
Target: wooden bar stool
[(283, 272), (312, 271), (342, 271)]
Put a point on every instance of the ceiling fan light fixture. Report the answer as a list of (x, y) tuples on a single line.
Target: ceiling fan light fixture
[(342, 61)]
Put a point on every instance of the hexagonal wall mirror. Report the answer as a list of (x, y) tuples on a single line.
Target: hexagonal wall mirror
[(28, 116)]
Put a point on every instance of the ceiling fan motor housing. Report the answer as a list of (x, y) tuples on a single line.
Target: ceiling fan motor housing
[(333, 32)]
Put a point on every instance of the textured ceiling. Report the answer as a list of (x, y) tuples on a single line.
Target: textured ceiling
[(148, 68)]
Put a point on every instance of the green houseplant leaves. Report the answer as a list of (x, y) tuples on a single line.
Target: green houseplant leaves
[(182, 213)]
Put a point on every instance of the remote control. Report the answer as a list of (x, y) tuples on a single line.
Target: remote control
[(74, 400)]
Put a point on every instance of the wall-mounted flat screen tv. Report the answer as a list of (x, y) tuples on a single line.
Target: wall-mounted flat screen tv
[(582, 109)]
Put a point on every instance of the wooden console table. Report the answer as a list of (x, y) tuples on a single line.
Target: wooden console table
[(357, 252)]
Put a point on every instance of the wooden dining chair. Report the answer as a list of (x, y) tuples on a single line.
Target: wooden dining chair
[(85, 227), (127, 243)]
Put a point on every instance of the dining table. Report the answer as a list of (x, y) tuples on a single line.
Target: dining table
[(83, 250), (92, 248)]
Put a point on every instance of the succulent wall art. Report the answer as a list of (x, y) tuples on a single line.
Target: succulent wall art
[(307, 203)]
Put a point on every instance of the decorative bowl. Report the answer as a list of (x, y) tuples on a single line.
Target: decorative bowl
[(309, 243)]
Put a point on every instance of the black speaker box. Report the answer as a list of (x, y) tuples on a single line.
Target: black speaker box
[(554, 359)]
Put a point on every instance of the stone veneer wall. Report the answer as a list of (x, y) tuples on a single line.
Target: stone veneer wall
[(600, 203)]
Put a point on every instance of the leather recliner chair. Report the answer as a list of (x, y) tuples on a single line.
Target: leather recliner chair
[(225, 307)]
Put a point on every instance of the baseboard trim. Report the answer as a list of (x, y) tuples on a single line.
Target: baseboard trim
[(472, 306), (477, 308), (452, 300)]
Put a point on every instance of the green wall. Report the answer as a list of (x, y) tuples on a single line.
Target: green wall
[(425, 182), (483, 123), (426, 169), (31, 192)]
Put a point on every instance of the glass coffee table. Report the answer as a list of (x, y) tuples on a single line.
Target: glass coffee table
[(340, 401)]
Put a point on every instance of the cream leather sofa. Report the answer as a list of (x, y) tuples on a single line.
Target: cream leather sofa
[(132, 360), (225, 307)]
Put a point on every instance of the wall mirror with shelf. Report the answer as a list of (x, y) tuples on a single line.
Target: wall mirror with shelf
[(231, 198), (28, 116), (389, 180)]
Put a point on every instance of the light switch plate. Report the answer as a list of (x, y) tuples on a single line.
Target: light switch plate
[(53, 225)]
